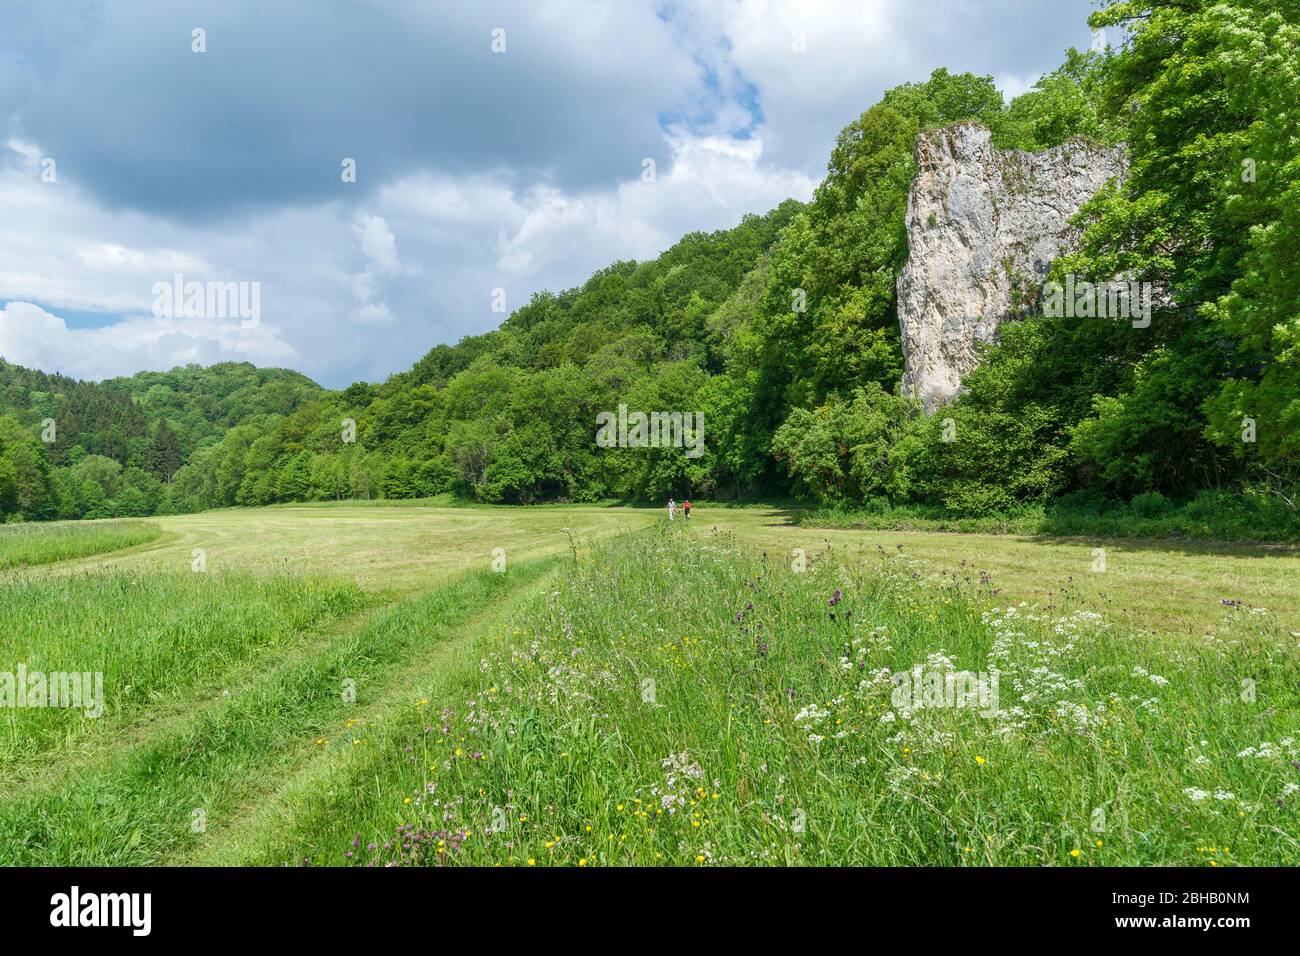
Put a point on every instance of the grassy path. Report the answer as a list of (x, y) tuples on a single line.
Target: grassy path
[(264, 833), (168, 717), (157, 641), (158, 800)]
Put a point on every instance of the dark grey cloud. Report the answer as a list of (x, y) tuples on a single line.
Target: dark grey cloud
[(286, 90)]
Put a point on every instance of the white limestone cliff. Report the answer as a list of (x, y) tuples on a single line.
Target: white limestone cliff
[(983, 226)]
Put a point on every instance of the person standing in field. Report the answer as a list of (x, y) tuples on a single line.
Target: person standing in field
[(686, 509), (672, 509)]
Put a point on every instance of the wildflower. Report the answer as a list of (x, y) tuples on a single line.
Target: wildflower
[(979, 760), (1075, 853)]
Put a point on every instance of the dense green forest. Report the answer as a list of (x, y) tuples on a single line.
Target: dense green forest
[(783, 334)]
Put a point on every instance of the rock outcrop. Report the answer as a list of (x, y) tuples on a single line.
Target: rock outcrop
[(983, 226)]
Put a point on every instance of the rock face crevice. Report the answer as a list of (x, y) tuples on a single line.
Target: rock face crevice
[(983, 226)]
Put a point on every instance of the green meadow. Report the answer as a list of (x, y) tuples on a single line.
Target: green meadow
[(27, 544), (580, 686)]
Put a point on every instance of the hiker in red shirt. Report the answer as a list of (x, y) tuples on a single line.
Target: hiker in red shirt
[(686, 509)]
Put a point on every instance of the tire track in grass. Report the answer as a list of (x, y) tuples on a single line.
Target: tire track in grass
[(139, 806), (171, 716), (36, 772), (268, 833)]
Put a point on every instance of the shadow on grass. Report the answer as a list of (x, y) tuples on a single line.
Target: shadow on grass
[(1189, 546), (1048, 531)]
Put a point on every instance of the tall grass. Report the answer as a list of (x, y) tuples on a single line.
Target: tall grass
[(139, 804), (681, 702), (28, 543), (156, 638)]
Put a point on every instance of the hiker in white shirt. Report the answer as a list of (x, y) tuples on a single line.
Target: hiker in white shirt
[(672, 509)]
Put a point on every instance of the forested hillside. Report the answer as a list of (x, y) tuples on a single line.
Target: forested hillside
[(783, 334), (85, 449)]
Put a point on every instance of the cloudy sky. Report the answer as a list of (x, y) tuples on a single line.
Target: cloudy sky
[(128, 158)]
